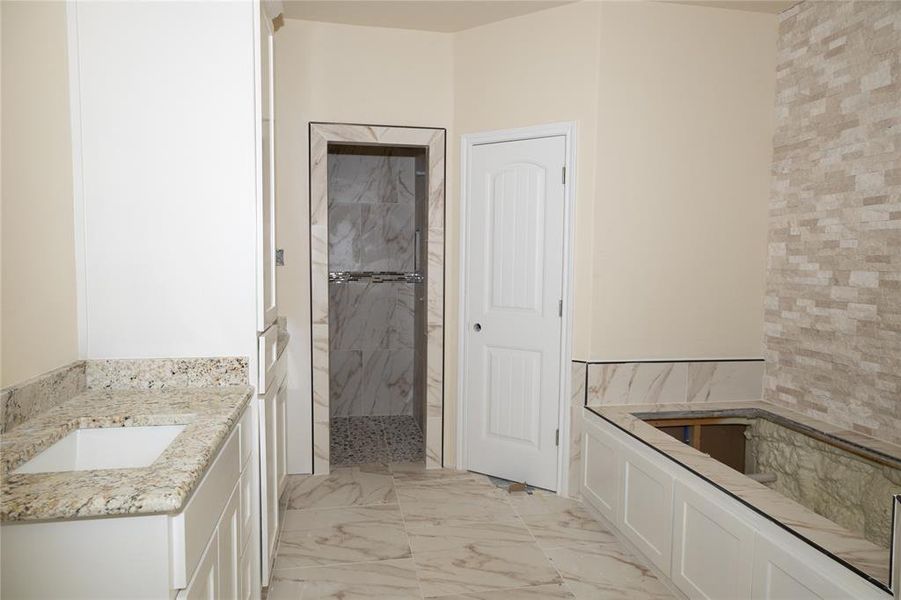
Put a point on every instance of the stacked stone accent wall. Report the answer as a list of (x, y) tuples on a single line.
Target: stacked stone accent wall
[(833, 302)]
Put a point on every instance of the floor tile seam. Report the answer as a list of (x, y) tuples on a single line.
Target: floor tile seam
[(275, 571), (409, 541)]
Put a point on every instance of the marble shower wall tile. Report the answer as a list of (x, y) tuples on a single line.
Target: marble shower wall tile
[(387, 387), (674, 382), (387, 234), (344, 228), (22, 401), (345, 379), (434, 142)]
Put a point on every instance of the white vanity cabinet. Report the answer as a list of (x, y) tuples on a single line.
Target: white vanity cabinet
[(210, 549), (709, 544), (272, 461), (267, 304)]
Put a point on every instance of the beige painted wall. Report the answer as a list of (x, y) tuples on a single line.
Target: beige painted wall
[(673, 106), (342, 73), (685, 125), (39, 328)]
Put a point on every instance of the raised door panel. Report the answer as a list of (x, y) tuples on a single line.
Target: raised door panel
[(204, 584), (601, 468), (230, 548), (777, 574), (712, 548), (268, 492), (646, 510)]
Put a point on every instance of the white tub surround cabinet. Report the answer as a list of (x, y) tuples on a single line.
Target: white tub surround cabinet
[(208, 549), (709, 544)]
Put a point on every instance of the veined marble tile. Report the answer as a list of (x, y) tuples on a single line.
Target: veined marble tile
[(321, 437), (553, 591), (344, 487), (637, 383), (433, 440), (578, 371), (342, 535), (606, 571), (344, 231), (566, 528), (401, 331), (387, 383), (319, 273), (725, 381), (345, 379), (387, 237), (395, 579), (464, 501), (456, 533), (483, 567), (541, 502)]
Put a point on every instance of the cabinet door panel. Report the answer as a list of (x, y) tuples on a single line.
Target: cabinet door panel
[(600, 471), (229, 548), (647, 508), (266, 292), (712, 548), (779, 575), (205, 582), (281, 455)]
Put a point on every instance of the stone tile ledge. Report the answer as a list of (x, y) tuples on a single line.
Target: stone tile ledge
[(863, 556), (209, 414)]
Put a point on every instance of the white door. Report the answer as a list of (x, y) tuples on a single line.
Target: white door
[(514, 291)]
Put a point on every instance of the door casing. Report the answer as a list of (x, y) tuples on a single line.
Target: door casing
[(469, 141)]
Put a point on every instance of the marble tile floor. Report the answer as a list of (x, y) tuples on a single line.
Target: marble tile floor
[(398, 531), (376, 439)]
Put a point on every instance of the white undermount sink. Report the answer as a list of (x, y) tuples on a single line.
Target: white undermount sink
[(104, 448)]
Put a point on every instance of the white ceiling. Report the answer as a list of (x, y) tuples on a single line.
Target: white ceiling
[(448, 16), (430, 15)]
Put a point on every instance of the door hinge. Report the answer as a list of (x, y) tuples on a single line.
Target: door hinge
[(564, 173), (557, 438), (560, 308)]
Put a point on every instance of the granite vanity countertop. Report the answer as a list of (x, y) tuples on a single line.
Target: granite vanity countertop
[(208, 413), (864, 556)]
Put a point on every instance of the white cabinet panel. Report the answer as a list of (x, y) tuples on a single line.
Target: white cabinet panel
[(601, 467), (229, 548), (647, 508), (205, 583), (268, 347), (247, 575), (780, 575), (266, 300), (268, 478), (281, 454), (712, 548)]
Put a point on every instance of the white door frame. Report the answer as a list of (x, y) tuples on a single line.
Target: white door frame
[(469, 141)]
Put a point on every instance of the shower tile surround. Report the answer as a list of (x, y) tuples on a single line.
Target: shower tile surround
[(433, 140)]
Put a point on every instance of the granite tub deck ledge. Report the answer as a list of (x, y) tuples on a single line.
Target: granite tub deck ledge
[(209, 414), (865, 557)]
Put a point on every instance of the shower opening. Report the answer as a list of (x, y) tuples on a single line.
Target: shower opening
[(377, 227)]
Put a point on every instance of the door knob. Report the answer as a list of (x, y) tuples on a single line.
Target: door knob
[(477, 327)]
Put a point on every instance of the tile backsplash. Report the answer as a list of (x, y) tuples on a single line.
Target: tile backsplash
[(20, 402)]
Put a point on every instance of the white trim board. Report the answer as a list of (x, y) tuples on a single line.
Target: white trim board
[(568, 131)]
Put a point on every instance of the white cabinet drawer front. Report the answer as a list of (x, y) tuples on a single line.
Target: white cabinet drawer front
[(601, 467), (647, 508), (191, 529), (268, 346), (712, 548)]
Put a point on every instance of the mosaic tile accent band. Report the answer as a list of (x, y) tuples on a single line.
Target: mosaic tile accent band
[(833, 298), (321, 135)]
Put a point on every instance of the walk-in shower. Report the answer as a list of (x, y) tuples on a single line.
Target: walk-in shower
[(377, 211)]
